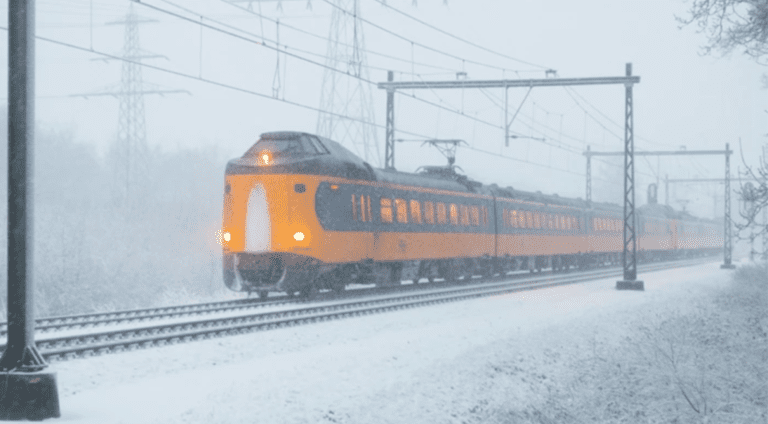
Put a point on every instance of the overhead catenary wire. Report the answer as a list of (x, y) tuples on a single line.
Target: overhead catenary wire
[(321, 37), (424, 46), (255, 93), (285, 52), (384, 3)]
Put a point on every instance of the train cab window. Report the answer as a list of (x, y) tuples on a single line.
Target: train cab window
[(386, 210), (441, 215), (429, 213), (402, 211), (464, 211), (285, 145), (454, 214), (415, 211)]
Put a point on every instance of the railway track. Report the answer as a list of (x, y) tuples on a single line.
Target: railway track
[(85, 345), (92, 320)]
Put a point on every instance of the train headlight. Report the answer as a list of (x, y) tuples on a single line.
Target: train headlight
[(299, 236), (227, 236), (265, 157)]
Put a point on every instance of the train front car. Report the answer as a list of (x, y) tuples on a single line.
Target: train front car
[(271, 236)]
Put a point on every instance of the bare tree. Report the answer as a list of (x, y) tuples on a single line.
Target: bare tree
[(732, 24), (753, 203)]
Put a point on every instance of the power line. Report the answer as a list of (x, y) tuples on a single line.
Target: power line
[(452, 71), (381, 28), (197, 22), (606, 117), (383, 3)]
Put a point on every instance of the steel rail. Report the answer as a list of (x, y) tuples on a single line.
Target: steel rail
[(48, 324), (69, 347)]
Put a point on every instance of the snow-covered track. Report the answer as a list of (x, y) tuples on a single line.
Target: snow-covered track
[(66, 322), (69, 347)]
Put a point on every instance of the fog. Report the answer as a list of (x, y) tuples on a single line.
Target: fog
[(98, 249)]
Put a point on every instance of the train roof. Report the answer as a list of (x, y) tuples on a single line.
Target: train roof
[(342, 162)]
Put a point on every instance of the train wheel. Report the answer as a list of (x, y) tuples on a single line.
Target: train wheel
[(263, 294), (308, 292)]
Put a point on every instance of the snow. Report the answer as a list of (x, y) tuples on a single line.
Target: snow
[(444, 363)]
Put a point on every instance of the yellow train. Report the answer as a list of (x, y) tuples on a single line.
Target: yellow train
[(302, 213)]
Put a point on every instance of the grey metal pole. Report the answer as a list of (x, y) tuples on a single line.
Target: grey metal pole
[(727, 246), (21, 351), (26, 392), (506, 116), (589, 176)]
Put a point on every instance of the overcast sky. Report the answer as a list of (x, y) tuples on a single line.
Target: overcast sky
[(683, 99)]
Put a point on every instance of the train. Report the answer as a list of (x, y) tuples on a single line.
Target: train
[(302, 213)]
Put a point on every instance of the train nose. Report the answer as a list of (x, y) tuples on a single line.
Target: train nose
[(257, 223)]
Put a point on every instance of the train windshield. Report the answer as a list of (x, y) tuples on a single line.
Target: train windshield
[(297, 145)]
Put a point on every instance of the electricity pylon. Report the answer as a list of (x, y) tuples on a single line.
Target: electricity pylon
[(346, 93), (129, 151)]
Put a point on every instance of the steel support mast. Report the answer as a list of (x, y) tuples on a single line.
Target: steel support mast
[(28, 391), (629, 253), (727, 236), (389, 148), (727, 152), (392, 86)]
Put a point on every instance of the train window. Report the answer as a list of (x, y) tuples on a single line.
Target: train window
[(529, 219), (568, 221), (485, 216), (429, 212), (537, 220), (513, 218), (354, 208), (557, 222), (475, 215), (441, 219), (368, 207), (362, 209), (386, 210), (454, 214), (464, 215), (402, 211), (506, 220), (522, 220), (415, 211)]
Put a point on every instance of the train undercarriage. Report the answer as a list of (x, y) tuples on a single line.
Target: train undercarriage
[(290, 273)]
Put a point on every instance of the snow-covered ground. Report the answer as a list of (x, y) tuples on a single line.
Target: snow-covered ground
[(446, 363)]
